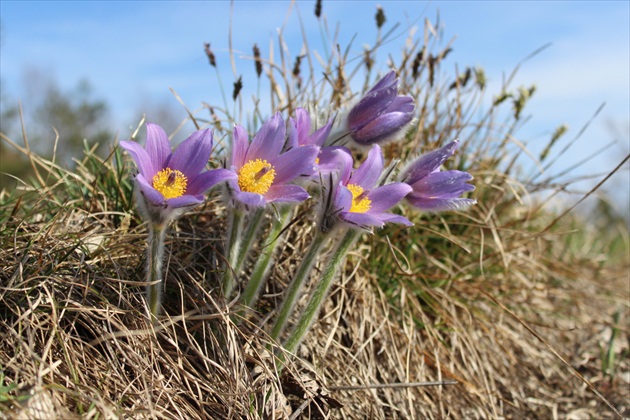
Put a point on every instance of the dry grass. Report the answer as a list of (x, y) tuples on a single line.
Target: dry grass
[(77, 342), (496, 299)]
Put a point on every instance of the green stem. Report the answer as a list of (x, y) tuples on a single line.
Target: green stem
[(154, 268), (248, 238), (321, 290), (233, 246), (298, 282), (259, 274)]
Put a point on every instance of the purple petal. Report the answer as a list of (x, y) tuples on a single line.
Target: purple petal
[(250, 199), (362, 219), (343, 199), (318, 138), (292, 135), (370, 170), (295, 162), (382, 127), (393, 218), (240, 144), (428, 163), (269, 140), (373, 104), (447, 184), (150, 194), (439, 204), (386, 81), (402, 104), (158, 147), (286, 193), (208, 179), (333, 159), (303, 125), (385, 197), (192, 154), (185, 201), (141, 157)]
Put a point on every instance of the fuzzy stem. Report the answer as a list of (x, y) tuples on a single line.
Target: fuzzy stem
[(248, 238), (321, 290), (296, 285), (259, 274), (232, 246), (154, 268)]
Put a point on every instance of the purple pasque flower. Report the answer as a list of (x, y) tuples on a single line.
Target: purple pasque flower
[(359, 201), (300, 130), (300, 135), (435, 190), (262, 172), (168, 181), (381, 114)]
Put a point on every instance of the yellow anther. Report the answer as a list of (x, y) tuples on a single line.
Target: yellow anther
[(170, 183), (360, 202), (256, 176)]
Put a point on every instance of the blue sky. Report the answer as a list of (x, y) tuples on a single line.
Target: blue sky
[(132, 52)]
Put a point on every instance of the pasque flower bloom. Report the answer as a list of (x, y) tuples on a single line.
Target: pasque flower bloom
[(359, 201), (435, 190), (381, 113), (262, 172), (168, 181), (300, 135)]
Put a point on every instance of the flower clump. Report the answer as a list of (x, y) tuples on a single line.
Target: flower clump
[(284, 161)]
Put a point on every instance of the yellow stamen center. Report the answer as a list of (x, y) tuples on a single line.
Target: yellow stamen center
[(360, 202), (256, 176), (170, 183)]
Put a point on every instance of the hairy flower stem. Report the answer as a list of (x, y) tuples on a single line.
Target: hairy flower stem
[(261, 269), (248, 238), (298, 282), (321, 290), (233, 247), (154, 268)]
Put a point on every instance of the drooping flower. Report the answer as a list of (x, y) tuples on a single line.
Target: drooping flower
[(169, 181), (262, 172), (381, 114), (359, 201), (435, 190)]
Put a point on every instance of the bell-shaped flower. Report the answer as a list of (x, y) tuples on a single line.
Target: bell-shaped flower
[(435, 190), (381, 114), (263, 173), (169, 181), (358, 200)]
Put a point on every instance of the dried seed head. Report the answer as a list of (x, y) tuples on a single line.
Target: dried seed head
[(318, 8), (238, 85), (415, 67), (380, 17), (210, 54), (367, 59), (258, 62)]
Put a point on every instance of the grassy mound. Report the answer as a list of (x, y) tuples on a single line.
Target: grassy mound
[(524, 307)]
